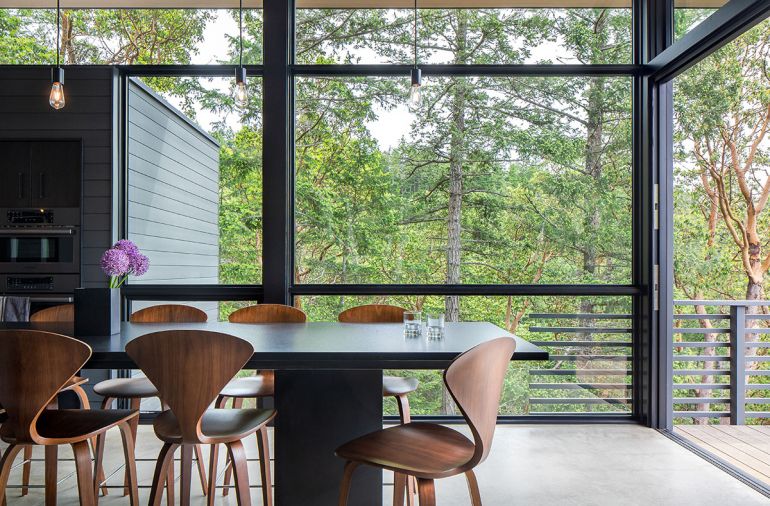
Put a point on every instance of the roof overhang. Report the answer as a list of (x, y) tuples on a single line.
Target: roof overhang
[(343, 4)]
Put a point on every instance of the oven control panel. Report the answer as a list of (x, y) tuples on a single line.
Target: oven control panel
[(30, 217), (36, 283)]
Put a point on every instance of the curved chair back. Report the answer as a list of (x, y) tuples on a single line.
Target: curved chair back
[(268, 313), (34, 366), (63, 313), (475, 381), (189, 368), (372, 313), (169, 313)]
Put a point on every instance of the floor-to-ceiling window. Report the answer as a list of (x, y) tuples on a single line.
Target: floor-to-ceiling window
[(504, 177)]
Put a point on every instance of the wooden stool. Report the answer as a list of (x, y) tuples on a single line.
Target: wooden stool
[(190, 369), (55, 314), (136, 389), (261, 385), (34, 367), (392, 386), (429, 451)]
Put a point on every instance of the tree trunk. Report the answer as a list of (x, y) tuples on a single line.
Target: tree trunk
[(457, 159)]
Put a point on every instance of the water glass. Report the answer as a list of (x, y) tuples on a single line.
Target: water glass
[(412, 323), (435, 325)]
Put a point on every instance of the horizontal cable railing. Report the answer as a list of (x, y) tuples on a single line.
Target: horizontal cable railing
[(721, 347), (589, 371)]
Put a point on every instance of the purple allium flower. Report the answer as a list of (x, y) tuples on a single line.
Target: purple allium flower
[(140, 264), (128, 246), (115, 262)]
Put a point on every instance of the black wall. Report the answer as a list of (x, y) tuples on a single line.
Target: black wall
[(88, 115)]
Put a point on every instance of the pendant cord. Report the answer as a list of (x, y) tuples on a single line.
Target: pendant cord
[(58, 29), (415, 33), (240, 33)]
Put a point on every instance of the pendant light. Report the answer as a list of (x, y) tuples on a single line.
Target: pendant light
[(56, 98), (241, 93), (415, 91)]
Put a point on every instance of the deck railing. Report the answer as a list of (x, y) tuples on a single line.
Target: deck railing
[(720, 357), (589, 371)]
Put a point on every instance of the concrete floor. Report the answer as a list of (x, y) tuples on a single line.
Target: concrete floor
[(529, 465)]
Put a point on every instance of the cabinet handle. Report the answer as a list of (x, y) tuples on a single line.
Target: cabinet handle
[(21, 185), (42, 185)]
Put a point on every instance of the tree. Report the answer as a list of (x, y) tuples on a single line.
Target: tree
[(723, 112)]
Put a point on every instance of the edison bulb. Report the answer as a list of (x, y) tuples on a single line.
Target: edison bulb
[(241, 95), (415, 96), (56, 98)]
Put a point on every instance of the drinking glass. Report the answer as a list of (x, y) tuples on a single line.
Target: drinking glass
[(435, 325), (412, 323)]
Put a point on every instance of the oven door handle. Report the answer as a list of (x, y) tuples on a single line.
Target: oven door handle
[(51, 300), (36, 232)]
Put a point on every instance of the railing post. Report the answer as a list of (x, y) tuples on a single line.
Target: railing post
[(737, 365)]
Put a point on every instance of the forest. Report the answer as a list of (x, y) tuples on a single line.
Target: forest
[(493, 179)]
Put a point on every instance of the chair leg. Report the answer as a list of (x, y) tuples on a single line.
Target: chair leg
[(213, 462), (201, 470), (130, 457), (427, 492), (347, 478), (170, 483), (51, 474), (6, 462), (25, 470), (165, 457), (85, 478), (136, 403), (237, 403), (406, 417), (399, 487), (214, 458), (473, 488), (98, 465), (263, 447), (99, 452), (184, 483), (241, 472), (86, 404), (403, 408)]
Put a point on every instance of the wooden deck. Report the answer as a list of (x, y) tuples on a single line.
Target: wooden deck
[(746, 447)]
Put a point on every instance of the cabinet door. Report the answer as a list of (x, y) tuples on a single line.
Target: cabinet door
[(55, 173), (14, 174)]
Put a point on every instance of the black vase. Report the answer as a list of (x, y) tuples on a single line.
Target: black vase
[(97, 311)]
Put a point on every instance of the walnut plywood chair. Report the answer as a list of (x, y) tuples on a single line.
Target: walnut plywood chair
[(63, 313), (56, 314), (428, 451), (392, 386), (136, 389), (261, 385), (34, 367), (190, 368)]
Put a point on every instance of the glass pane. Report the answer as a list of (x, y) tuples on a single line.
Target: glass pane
[(589, 340), (460, 36), (195, 180), (721, 185), (492, 180), (690, 13), (129, 36)]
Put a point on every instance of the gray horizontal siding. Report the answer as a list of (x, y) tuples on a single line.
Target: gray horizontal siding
[(25, 114), (173, 194)]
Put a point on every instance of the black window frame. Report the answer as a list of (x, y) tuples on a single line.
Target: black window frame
[(656, 59)]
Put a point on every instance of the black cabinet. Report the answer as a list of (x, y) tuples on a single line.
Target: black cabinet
[(40, 174)]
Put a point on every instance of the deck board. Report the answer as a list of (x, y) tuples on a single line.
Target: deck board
[(745, 447)]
